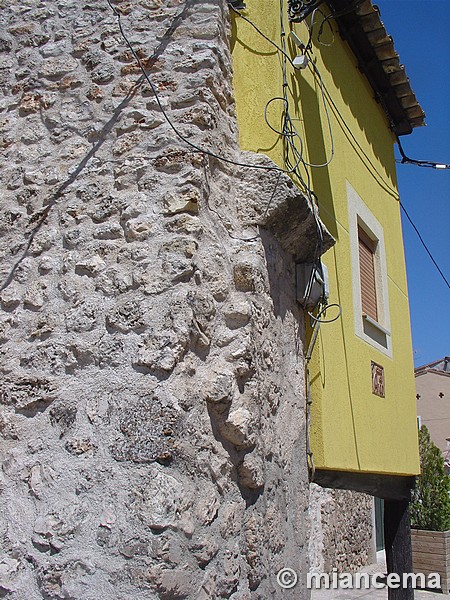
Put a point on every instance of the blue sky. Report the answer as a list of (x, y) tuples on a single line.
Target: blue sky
[(420, 31)]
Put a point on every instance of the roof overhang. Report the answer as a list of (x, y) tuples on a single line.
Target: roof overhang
[(366, 35)]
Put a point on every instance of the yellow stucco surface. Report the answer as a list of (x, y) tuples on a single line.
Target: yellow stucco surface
[(352, 429)]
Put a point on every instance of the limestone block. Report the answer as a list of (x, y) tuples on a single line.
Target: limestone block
[(239, 428), (173, 160), (243, 274), (186, 201), (148, 427), (83, 317), (207, 504), (237, 313), (108, 231), (140, 228), (35, 296), (114, 281), (220, 387), (63, 414), (177, 268), (89, 266), (251, 471), (74, 288), (126, 143), (125, 316), (204, 548), (39, 477), (53, 68), (161, 352), (54, 49), (106, 205), (179, 245), (204, 117), (27, 394), (8, 429), (290, 215), (185, 223), (42, 241), (161, 501), (171, 584), (103, 73), (5, 44), (9, 569), (228, 572), (52, 356), (11, 296), (78, 446)]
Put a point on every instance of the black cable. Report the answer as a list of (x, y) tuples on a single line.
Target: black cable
[(424, 244), (335, 15), (420, 163), (175, 130), (344, 125), (255, 27), (323, 312)]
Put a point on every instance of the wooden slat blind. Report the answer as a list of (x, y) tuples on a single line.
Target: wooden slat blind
[(367, 274)]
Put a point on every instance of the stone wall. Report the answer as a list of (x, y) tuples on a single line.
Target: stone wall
[(341, 530), (152, 406)]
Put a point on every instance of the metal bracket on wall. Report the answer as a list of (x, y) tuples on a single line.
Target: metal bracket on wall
[(300, 9)]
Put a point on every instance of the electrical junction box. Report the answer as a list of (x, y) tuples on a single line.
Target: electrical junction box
[(300, 62), (312, 284)]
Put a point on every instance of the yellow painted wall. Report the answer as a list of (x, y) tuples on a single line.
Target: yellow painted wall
[(352, 429)]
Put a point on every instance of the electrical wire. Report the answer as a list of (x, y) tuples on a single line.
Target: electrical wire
[(309, 452), (424, 245), (335, 15), (308, 46), (419, 163), (290, 129), (184, 139), (323, 312), (291, 149), (256, 28), (313, 68)]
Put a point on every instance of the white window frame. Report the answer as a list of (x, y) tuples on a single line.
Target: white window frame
[(375, 333)]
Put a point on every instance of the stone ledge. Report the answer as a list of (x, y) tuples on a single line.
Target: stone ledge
[(271, 200)]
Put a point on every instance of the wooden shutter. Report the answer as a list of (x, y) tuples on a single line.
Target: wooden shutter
[(367, 274)]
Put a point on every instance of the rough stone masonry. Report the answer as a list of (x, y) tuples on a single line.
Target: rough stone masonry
[(152, 426)]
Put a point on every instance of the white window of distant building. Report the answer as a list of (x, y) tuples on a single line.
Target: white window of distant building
[(369, 275)]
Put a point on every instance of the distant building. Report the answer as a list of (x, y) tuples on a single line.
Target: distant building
[(433, 402)]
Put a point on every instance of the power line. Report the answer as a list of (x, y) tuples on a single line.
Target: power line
[(167, 118), (424, 244), (419, 163)]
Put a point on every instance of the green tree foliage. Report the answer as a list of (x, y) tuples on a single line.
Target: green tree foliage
[(430, 505)]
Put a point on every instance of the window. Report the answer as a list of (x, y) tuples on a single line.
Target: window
[(366, 248), (369, 275)]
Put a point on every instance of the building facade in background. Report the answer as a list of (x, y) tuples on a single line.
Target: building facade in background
[(171, 181), (433, 392)]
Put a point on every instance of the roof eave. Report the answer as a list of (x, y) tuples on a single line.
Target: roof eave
[(374, 50)]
